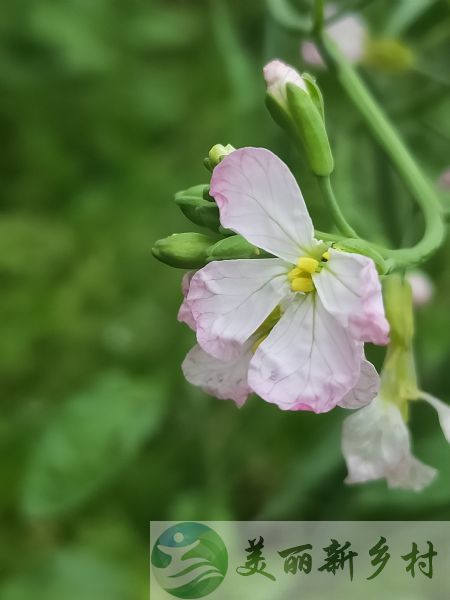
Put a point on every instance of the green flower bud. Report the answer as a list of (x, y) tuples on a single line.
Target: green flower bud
[(234, 247), (296, 104), (184, 250), (197, 209), (311, 127), (314, 92), (216, 154), (389, 55)]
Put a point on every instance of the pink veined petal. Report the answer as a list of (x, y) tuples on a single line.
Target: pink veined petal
[(259, 198), (376, 445), (366, 387), (230, 299), (308, 361), (350, 289), (184, 313), (226, 380), (443, 411)]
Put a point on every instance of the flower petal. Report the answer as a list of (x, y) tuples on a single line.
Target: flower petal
[(229, 299), (366, 387), (277, 75), (226, 380), (184, 313), (411, 474), (422, 287), (259, 198), (308, 361), (350, 289), (349, 33), (376, 444), (443, 411)]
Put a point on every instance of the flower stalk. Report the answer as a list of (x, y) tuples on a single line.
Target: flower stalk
[(333, 206), (386, 135)]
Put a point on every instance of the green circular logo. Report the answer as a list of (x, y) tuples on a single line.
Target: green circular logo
[(189, 560)]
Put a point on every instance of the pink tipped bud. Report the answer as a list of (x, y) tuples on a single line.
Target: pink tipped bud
[(277, 75)]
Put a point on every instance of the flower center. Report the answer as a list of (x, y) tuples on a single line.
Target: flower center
[(300, 276)]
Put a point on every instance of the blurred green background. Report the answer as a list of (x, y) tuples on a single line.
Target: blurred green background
[(107, 108)]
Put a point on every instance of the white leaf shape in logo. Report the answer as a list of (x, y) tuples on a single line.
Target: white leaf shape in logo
[(181, 571)]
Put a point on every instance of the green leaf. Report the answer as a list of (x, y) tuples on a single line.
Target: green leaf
[(72, 575), (404, 14), (306, 473), (96, 434)]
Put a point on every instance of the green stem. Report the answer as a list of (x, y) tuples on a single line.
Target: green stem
[(333, 207), (288, 17), (388, 138), (319, 16), (327, 237)]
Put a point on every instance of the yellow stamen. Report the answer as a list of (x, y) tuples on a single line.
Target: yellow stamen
[(307, 264), (326, 255), (296, 272), (258, 342), (302, 284)]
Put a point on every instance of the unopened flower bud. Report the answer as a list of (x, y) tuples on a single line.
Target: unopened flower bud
[(197, 209), (389, 55), (216, 154), (234, 247), (296, 104), (184, 250), (277, 75)]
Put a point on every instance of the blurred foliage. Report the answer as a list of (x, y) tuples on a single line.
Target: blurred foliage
[(107, 109)]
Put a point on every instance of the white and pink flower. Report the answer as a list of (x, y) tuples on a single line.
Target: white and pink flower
[(349, 33), (376, 444), (226, 380), (330, 301)]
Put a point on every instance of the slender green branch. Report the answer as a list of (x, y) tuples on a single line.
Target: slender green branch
[(388, 138), (327, 237), (333, 207), (288, 17), (319, 16)]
